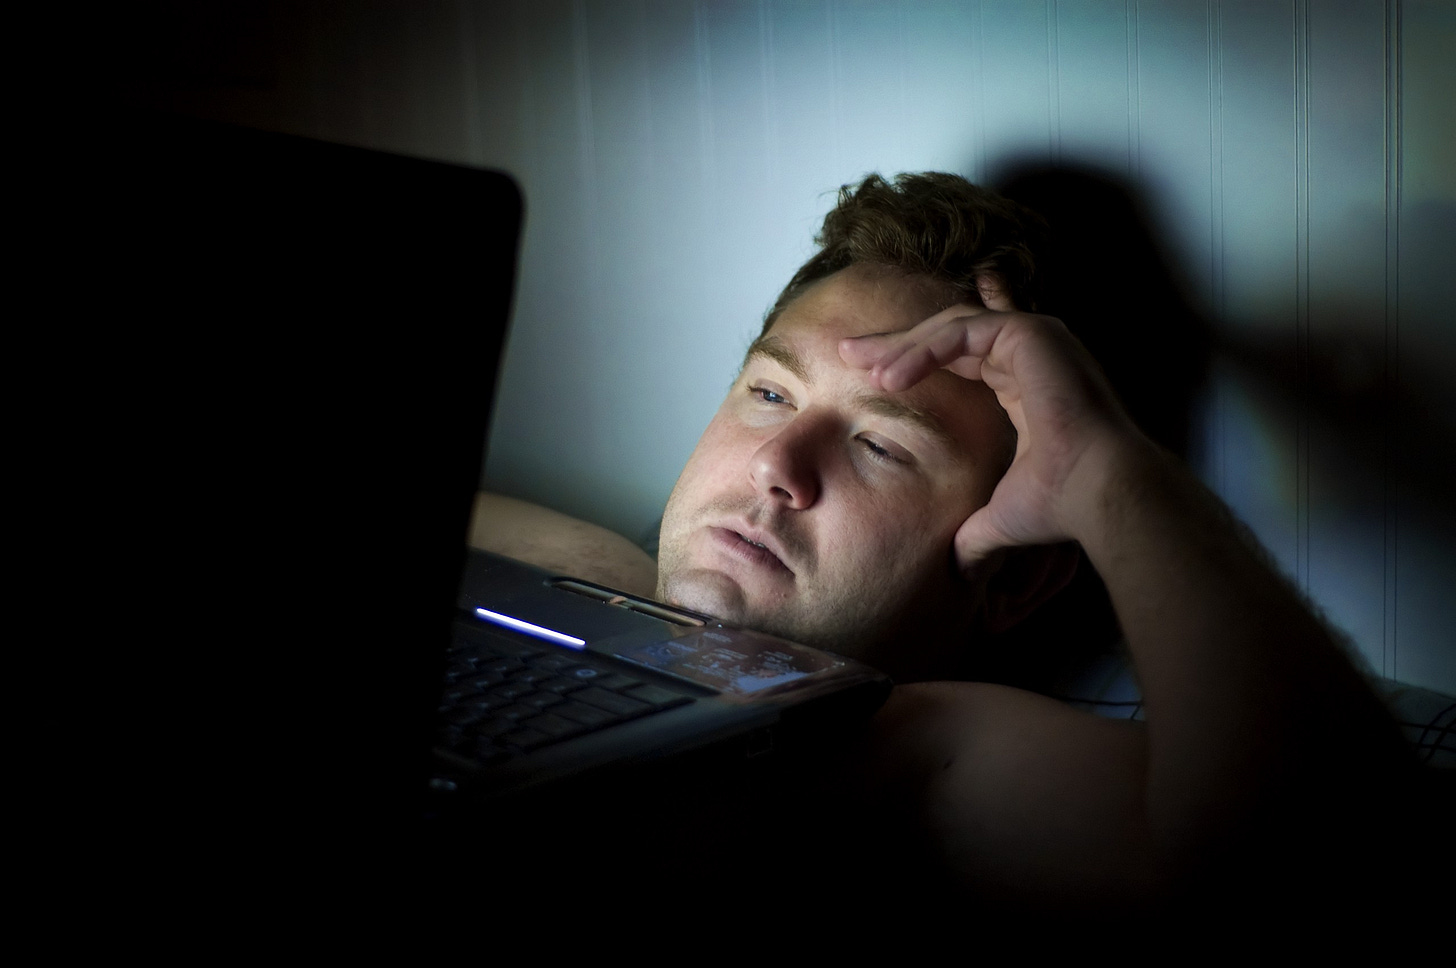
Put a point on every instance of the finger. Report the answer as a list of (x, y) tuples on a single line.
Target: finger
[(975, 541), (878, 351), (953, 340), (963, 311), (925, 349), (912, 362), (884, 348), (956, 339), (863, 352)]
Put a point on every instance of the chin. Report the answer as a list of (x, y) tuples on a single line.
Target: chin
[(709, 592)]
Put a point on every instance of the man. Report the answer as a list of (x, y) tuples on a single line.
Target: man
[(901, 466)]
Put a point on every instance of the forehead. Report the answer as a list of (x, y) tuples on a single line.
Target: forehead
[(862, 300)]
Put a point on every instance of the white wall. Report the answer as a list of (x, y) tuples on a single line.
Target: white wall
[(676, 158)]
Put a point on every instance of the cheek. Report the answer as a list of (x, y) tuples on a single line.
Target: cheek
[(706, 471), (713, 454), (902, 533)]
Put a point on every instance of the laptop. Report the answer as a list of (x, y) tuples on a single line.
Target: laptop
[(552, 679), (344, 312)]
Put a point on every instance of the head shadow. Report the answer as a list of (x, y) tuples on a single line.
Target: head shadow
[(1104, 274)]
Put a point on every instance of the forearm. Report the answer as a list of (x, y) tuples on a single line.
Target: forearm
[(1252, 707), (1260, 734), (561, 543)]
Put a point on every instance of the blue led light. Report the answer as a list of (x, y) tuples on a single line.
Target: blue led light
[(571, 642)]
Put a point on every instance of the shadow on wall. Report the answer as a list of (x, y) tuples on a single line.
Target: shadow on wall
[(1379, 431), (1382, 405), (1108, 281), (1115, 290), (1106, 278)]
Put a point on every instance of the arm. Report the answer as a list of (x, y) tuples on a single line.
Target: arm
[(552, 540), (1259, 731)]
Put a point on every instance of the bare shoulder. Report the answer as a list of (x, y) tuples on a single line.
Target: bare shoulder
[(1015, 792), (938, 726), (561, 543)]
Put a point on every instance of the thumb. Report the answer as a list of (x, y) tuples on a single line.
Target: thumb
[(976, 542)]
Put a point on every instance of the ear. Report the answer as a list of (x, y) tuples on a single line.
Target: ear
[(1026, 578), (994, 294)]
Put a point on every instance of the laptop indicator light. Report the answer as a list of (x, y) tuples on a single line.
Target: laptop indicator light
[(571, 642)]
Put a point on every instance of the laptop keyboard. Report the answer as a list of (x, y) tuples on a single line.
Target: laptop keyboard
[(505, 696)]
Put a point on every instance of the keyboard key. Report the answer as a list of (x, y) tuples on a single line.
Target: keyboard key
[(488, 751), (611, 702), (527, 739), (515, 713), (460, 692), (513, 690), (465, 715), (556, 663), (487, 680), (616, 683), (657, 696), (588, 716), (561, 685), (556, 727)]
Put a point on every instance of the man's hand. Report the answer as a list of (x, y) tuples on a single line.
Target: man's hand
[(1070, 428), (1264, 745)]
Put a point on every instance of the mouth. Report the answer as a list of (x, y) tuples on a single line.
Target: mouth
[(750, 545)]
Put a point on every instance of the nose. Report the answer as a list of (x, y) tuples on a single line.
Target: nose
[(786, 467)]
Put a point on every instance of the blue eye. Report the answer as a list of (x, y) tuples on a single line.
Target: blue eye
[(879, 453), (767, 395)]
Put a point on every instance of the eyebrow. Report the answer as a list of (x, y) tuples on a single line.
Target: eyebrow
[(888, 407), (780, 352), (881, 404)]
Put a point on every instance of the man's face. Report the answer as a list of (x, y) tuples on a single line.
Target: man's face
[(819, 508)]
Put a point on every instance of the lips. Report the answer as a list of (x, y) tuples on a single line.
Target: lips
[(751, 545)]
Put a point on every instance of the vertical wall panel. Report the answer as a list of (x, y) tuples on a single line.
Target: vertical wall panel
[(745, 163), (802, 64), (675, 198), (1015, 82), (499, 126), (414, 82), (1092, 93), (321, 75), (1253, 424), (1174, 122), (609, 53), (546, 358), (941, 121), (1425, 229), (869, 71), (1346, 348)]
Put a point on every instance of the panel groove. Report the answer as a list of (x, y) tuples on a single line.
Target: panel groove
[(1215, 142), (1054, 87), (1301, 291), (1218, 301), (1392, 449), (978, 152), (1134, 100), (836, 48), (586, 161), (771, 147), (705, 102), (466, 47)]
